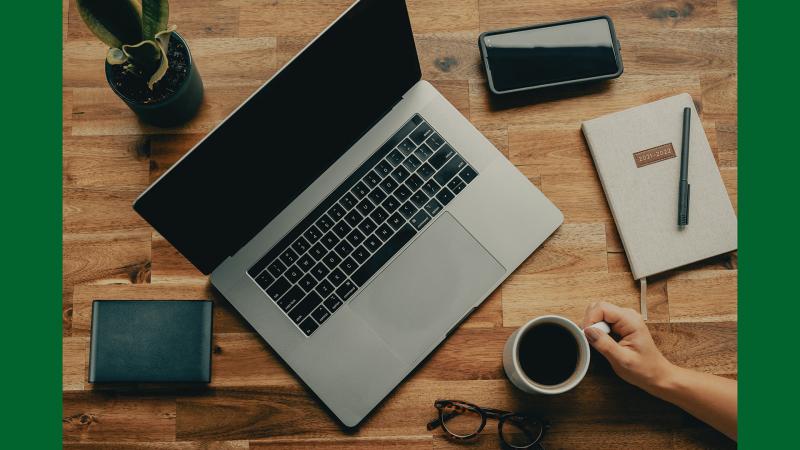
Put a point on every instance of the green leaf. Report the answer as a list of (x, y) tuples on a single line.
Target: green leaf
[(115, 22), (155, 14), (116, 56), (145, 56)]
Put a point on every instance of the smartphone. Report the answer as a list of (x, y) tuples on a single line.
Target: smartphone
[(553, 54)]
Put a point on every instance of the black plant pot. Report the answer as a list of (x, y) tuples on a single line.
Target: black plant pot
[(175, 109)]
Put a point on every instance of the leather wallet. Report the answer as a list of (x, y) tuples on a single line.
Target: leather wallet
[(150, 341)]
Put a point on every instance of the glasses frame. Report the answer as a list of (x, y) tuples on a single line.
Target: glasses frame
[(485, 413)]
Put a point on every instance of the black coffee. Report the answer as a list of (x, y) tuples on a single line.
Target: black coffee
[(548, 354)]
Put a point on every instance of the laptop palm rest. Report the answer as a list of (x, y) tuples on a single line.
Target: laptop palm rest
[(428, 288)]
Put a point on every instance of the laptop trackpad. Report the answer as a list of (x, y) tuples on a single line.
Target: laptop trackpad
[(428, 288)]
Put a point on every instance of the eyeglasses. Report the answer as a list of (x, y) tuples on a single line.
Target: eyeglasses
[(462, 421)]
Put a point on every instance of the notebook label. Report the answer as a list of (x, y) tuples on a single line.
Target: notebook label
[(654, 155)]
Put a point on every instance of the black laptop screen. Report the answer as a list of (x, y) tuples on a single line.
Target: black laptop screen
[(250, 168)]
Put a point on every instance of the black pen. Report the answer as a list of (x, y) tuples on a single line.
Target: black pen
[(683, 185)]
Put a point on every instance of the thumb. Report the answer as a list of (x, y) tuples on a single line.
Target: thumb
[(603, 343)]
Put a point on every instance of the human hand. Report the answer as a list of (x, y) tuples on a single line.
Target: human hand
[(635, 358)]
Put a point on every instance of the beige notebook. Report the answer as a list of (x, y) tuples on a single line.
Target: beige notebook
[(637, 153)]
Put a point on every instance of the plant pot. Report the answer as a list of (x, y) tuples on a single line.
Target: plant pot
[(174, 109)]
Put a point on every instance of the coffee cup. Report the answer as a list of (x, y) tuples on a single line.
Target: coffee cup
[(548, 355)]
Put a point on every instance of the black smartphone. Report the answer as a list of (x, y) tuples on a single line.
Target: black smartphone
[(553, 54)]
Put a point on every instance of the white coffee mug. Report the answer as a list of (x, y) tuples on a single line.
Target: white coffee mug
[(518, 377)]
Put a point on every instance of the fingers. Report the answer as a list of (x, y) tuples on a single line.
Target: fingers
[(623, 321), (604, 344)]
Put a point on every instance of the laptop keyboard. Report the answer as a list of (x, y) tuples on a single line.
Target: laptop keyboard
[(357, 229)]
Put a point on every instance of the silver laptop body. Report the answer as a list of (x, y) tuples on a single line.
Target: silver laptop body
[(362, 346)]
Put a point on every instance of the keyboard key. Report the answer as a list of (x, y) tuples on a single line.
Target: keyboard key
[(468, 174), (307, 282), (264, 279), (319, 271), (306, 262), (419, 198), (377, 195), (348, 201), (291, 298), (396, 221), (373, 243), (332, 303), (456, 185), (433, 207), (320, 314), (336, 212), (317, 251), (293, 274), (372, 179), (444, 196), (411, 163), (336, 277), (276, 268), (324, 288), (312, 234), (288, 256), (388, 185), (348, 266), (423, 152), (346, 290), (332, 260), (420, 219), (408, 210), (278, 288), (389, 249), (383, 168), (431, 187), (360, 254), (384, 232), (344, 248), (400, 174), (414, 182), (301, 245), (391, 204), (353, 218), (330, 240), (421, 133), (379, 215), (449, 170), (435, 141), (441, 156), (308, 326), (402, 193), (324, 223), (395, 157), (365, 206), (355, 237), (359, 190), (426, 171), (342, 228), (304, 308), (367, 226), (406, 146)]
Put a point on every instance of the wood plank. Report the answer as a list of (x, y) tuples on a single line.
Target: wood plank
[(261, 18), (553, 149), (456, 92), (489, 314), (579, 197), (226, 319), (118, 163), (727, 143), (703, 296), (217, 445), (449, 56), (706, 347), (431, 16), (100, 210), (115, 257), (719, 95), (244, 359), (345, 443), (573, 248), (116, 416), (75, 353), (235, 60), (498, 136), (730, 177), (677, 51)]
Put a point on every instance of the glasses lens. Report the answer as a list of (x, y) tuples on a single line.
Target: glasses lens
[(460, 421), (521, 431)]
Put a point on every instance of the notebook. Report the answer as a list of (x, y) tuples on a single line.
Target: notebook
[(637, 153), (150, 341)]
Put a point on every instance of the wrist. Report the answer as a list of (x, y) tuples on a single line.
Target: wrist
[(665, 381)]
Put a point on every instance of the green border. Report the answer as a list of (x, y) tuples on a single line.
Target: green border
[(768, 161), (30, 81)]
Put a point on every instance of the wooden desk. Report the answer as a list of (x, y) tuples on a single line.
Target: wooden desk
[(109, 157)]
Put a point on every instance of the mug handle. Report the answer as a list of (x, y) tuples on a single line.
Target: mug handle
[(602, 326)]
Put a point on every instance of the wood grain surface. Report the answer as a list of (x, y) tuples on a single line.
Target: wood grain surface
[(254, 401)]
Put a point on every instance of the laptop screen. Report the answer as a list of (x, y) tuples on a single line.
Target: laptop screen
[(283, 138)]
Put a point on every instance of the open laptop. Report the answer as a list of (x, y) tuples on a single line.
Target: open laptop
[(349, 212)]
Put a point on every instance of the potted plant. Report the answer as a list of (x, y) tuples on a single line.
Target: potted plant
[(148, 64)]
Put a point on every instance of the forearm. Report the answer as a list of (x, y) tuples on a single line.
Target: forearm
[(710, 398)]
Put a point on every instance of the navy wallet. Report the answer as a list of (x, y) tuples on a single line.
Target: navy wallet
[(150, 341)]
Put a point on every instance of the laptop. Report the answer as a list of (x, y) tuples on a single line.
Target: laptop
[(349, 212)]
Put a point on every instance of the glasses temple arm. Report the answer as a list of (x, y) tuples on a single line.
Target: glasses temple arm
[(437, 422)]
